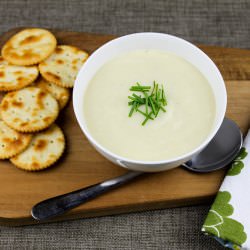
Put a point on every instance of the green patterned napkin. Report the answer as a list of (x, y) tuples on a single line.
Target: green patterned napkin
[(229, 217)]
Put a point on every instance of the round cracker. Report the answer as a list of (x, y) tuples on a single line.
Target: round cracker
[(11, 141), (61, 94), (63, 65), (16, 77), (29, 46), (45, 149), (29, 110)]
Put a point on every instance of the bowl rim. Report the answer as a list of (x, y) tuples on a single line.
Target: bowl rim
[(122, 159)]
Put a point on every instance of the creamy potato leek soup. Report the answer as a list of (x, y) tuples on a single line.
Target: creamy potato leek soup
[(149, 105)]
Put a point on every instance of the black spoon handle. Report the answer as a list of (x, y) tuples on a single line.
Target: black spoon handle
[(60, 204)]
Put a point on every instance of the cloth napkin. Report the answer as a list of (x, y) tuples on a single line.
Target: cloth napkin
[(228, 220)]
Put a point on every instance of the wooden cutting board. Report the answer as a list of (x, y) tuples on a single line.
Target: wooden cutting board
[(81, 165)]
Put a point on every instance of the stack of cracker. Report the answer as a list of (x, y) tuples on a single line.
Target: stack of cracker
[(29, 137)]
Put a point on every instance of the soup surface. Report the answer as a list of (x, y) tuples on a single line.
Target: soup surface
[(189, 116)]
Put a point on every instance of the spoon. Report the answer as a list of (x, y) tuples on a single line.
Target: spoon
[(219, 153)]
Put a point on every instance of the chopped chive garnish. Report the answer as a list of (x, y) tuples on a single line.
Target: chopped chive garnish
[(148, 117), (157, 112), (138, 98), (132, 109), (146, 96), (159, 95), (143, 113), (164, 97), (153, 89), (156, 92), (131, 98), (164, 110), (138, 110), (139, 89), (153, 102)]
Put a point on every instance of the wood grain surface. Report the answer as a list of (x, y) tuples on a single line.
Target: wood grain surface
[(81, 165)]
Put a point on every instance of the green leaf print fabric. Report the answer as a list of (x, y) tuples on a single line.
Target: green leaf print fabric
[(219, 224), (238, 164), (228, 220)]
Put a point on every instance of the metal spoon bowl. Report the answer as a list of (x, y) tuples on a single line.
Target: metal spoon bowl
[(221, 150), (219, 153)]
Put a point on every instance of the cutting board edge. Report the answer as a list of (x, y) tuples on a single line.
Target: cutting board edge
[(100, 212)]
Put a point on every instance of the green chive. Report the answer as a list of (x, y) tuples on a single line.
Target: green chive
[(148, 117), (157, 112), (164, 110), (152, 104), (131, 98), (152, 93), (136, 99), (132, 109), (139, 90), (146, 96), (138, 110), (143, 113), (156, 91), (140, 87), (141, 100), (159, 95), (164, 97)]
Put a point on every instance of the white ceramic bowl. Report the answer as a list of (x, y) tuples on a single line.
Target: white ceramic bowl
[(155, 41)]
